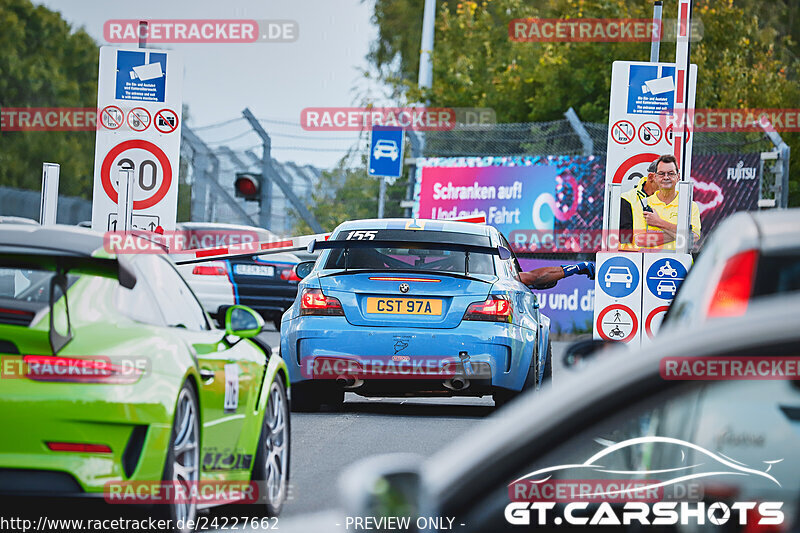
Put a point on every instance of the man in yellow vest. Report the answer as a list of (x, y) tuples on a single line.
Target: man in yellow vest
[(632, 205), (657, 229)]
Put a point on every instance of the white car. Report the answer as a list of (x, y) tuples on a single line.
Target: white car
[(618, 274), (211, 281), (749, 255), (386, 148)]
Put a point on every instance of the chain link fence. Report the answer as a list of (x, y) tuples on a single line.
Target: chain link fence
[(26, 203), (517, 143), (560, 138)]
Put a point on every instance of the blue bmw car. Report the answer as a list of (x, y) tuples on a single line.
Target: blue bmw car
[(407, 307)]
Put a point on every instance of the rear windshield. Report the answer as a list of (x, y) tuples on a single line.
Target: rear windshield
[(26, 285), (416, 256)]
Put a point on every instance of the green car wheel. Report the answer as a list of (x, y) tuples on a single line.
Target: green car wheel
[(182, 466)]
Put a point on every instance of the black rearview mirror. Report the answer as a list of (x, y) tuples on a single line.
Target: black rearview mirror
[(304, 269)]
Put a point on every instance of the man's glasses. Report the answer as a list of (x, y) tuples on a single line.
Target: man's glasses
[(670, 174)]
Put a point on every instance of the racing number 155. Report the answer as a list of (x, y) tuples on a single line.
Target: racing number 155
[(361, 236)]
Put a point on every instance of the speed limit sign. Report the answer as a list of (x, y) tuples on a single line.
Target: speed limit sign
[(142, 149), (151, 169)]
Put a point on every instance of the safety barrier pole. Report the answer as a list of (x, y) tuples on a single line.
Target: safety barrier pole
[(683, 236), (125, 200), (48, 206)]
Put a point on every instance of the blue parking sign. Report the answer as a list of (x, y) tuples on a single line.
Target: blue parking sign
[(386, 152)]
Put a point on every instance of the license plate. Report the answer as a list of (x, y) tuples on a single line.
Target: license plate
[(404, 306), (254, 270)]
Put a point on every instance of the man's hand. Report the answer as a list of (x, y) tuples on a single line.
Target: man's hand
[(585, 267)]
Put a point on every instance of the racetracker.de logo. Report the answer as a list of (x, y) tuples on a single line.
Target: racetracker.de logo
[(48, 119), (729, 368), (393, 367), (182, 241), (202, 31), (199, 492), (732, 120), (605, 30), (363, 118), (75, 369)]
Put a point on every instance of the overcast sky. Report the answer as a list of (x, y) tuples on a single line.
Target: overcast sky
[(275, 80)]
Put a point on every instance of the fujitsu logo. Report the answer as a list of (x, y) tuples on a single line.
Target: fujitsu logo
[(740, 172)]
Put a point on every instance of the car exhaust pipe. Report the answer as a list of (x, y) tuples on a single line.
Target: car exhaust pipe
[(349, 382), (457, 383), (345, 381)]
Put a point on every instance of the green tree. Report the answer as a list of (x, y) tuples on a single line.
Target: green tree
[(746, 58), (348, 194), (45, 63)]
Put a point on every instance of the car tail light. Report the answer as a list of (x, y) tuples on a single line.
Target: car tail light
[(493, 309), (78, 447), (313, 302), (288, 274), (735, 285), (89, 370), (394, 278), (210, 270)]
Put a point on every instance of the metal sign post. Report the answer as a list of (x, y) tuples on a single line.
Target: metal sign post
[(610, 243), (683, 108), (48, 206), (655, 45), (684, 237), (125, 200)]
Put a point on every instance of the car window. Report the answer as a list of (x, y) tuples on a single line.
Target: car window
[(777, 274), (139, 304), (174, 297), (414, 257), (28, 285), (513, 261)]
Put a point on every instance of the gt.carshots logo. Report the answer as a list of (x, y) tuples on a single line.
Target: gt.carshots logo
[(657, 494)]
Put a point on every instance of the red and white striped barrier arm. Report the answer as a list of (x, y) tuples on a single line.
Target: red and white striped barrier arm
[(682, 85), (292, 244)]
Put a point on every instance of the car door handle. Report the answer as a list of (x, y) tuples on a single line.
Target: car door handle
[(207, 374)]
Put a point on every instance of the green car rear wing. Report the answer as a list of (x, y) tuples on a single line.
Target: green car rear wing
[(63, 263)]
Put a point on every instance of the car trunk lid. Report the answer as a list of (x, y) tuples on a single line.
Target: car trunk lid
[(406, 299)]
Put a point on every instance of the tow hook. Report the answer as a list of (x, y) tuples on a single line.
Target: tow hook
[(464, 356)]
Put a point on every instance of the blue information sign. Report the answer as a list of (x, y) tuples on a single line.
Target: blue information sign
[(386, 152), (664, 277), (618, 277)]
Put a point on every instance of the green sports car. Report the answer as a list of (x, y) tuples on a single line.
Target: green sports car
[(114, 384)]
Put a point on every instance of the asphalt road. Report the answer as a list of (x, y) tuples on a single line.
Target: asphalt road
[(325, 444)]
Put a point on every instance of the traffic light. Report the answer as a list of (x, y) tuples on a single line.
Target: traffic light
[(248, 186)]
